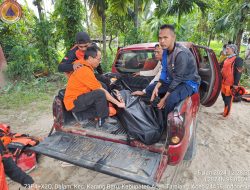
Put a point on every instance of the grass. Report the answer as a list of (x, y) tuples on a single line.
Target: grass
[(37, 92)]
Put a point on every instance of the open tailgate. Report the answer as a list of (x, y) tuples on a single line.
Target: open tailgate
[(111, 158)]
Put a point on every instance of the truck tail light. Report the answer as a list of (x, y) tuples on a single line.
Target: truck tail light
[(176, 128)]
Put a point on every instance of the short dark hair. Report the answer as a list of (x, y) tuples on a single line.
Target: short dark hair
[(82, 38), (168, 26), (91, 51), (248, 40)]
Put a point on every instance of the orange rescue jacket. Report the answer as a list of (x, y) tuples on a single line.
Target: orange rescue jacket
[(228, 71), (79, 55), (3, 183)]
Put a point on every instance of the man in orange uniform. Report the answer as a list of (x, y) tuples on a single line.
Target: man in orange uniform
[(231, 73), (84, 93)]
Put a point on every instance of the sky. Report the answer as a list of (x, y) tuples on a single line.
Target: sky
[(47, 5)]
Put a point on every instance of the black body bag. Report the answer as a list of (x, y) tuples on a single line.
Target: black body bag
[(142, 122)]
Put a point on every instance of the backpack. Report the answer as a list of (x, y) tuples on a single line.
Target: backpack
[(142, 122), (16, 145)]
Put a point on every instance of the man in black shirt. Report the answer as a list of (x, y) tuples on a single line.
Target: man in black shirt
[(75, 53)]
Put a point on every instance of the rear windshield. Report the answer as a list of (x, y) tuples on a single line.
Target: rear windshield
[(136, 60)]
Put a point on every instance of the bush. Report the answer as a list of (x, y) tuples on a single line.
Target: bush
[(22, 62), (106, 66)]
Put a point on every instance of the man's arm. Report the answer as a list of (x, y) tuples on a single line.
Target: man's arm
[(157, 76), (155, 91), (113, 100), (12, 170), (15, 173), (66, 64), (152, 72), (238, 68), (181, 67)]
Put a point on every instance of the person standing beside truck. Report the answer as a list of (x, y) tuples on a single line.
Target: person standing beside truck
[(231, 71)]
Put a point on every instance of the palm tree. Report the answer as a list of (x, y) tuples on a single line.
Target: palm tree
[(236, 21), (86, 14), (39, 8), (133, 8), (181, 7), (100, 7)]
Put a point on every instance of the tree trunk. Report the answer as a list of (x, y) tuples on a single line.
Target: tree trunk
[(104, 35), (210, 37), (136, 11), (179, 18), (87, 17), (110, 41), (3, 65), (3, 62), (39, 8), (238, 39)]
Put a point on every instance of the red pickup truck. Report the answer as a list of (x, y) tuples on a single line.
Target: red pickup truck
[(107, 150)]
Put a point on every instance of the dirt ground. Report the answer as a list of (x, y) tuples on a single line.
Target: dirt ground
[(222, 161)]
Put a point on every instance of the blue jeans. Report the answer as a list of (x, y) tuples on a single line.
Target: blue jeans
[(162, 91), (181, 92)]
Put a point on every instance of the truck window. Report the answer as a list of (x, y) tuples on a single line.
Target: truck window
[(136, 60)]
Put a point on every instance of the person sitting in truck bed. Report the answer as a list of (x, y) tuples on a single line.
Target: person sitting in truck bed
[(155, 72), (70, 63), (179, 76), (84, 93), (156, 69), (75, 53)]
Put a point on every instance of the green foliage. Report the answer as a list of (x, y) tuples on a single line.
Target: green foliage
[(245, 80), (216, 46), (22, 61), (19, 33), (45, 43), (106, 66), (68, 17), (133, 37)]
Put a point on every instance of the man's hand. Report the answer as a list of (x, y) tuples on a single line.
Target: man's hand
[(77, 66), (162, 103), (121, 105), (154, 94), (136, 74), (138, 93)]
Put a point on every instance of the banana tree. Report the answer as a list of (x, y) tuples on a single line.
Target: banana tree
[(181, 7), (236, 21)]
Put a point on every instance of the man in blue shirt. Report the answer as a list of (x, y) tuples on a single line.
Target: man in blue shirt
[(179, 77)]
